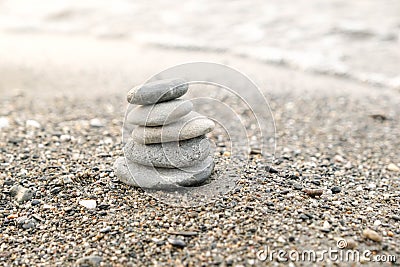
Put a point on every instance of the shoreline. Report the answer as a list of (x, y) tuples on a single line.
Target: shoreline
[(43, 62)]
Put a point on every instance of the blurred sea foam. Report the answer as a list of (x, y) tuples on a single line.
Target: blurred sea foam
[(354, 39)]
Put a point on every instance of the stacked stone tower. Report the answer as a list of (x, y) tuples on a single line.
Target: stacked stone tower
[(168, 147)]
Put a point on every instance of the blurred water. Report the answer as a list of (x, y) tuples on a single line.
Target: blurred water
[(356, 39)]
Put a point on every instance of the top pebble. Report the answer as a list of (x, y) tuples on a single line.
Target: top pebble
[(157, 91)]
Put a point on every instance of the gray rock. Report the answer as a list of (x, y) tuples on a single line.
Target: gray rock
[(159, 114), (28, 224), (190, 126), (67, 179), (158, 91), (169, 155), (122, 172), (89, 261), (177, 242), (96, 123), (20, 193), (25, 223), (21, 220), (336, 189), (88, 203), (35, 202), (143, 176), (106, 229)]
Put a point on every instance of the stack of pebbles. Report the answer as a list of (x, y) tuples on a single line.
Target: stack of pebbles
[(168, 147)]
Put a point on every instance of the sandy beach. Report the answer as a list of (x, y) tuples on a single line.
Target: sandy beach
[(335, 171)]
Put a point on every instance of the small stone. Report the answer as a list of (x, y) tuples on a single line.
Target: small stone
[(230, 260), (105, 230), (255, 151), (28, 224), (96, 123), (21, 220), (15, 141), (379, 117), (38, 218), (89, 261), (67, 179), (313, 192), (12, 216), (226, 154), (56, 190), (104, 206), (390, 234), (281, 239), (4, 122), (177, 242), (103, 155), (190, 126), (351, 244), (65, 138), (271, 170), (304, 217), (33, 124), (336, 189), (35, 202), (371, 234), (392, 167), (157, 91), (68, 209), (309, 215), (339, 159), (284, 192), (20, 193), (293, 177), (8, 182), (297, 186), (159, 114), (251, 262), (369, 209), (316, 182), (371, 186), (326, 227), (169, 155), (88, 203), (396, 218), (377, 223)]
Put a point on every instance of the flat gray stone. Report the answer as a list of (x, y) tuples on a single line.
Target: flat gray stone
[(20, 193), (138, 175), (190, 126), (158, 91), (160, 114), (122, 172), (89, 261), (169, 155)]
